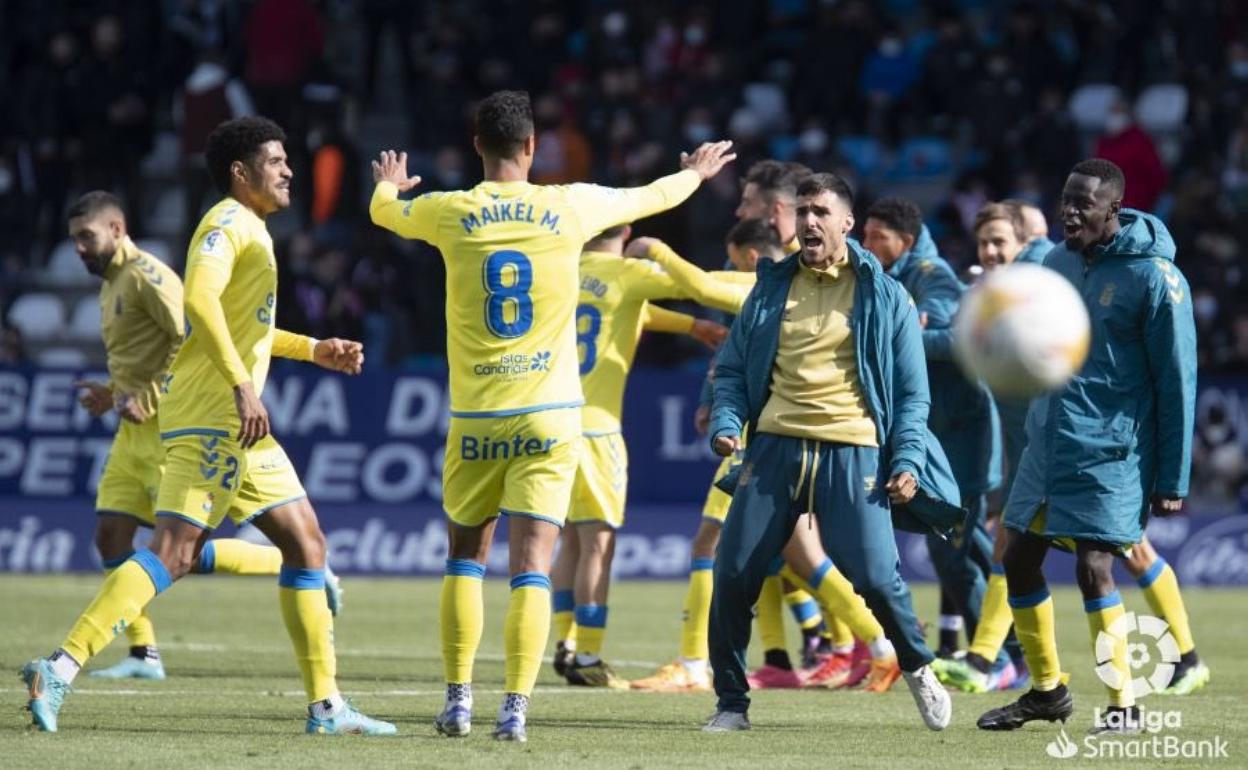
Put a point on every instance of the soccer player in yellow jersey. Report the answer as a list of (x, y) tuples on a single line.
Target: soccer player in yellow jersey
[(142, 324), (614, 306), (511, 250), (219, 457), (805, 563)]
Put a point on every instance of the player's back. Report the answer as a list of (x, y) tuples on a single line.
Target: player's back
[(233, 241)]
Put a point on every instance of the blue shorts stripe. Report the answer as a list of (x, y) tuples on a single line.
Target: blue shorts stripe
[(252, 517), (1027, 601), (600, 433), (521, 409), (124, 514), (531, 579), (998, 568), (195, 432), (1152, 573), (701, 564), (820, 574), (465, 568), (301, 578), (1095, 605), (527, 515), (115, 563), (207, 559), (592, 615), (154, 568), (183, 517), (563, 601)]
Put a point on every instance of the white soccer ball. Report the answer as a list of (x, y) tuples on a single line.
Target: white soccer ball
[(1023, 330)]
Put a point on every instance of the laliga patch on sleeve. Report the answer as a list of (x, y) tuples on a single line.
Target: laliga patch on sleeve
[(212, 242)]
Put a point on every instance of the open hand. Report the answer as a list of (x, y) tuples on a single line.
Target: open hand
[(339, 355), (129, 408), (96, 397), (392, 167), (708, 158)]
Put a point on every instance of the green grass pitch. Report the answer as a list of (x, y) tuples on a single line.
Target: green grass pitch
[(233, 696)]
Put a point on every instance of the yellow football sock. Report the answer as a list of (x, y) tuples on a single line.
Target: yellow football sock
[(770, 614), (838, 631), (140, 632), (994, 617), (1161, 589), (563, 606), (1037, 632), (694, 627), (591, 627), (1102, 613), (311, 629), (120, 600), (462, 611), (524, 631), (239, 557), (836, 594)]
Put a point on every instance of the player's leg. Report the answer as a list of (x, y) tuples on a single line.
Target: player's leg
[(777, 669), (958, 566), (114, 537), (758, 525), (1032, 607), (593, 576), (810, 620), (563, 598), (855, 523), (121, 598), (950, 625), (1094, 569), (1161, 589)]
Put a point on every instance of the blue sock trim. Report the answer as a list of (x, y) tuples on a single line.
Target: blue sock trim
[(301, 578), (534, 579), (207, 559), (115, 563), (591, 615), (804, 611), (563, 601), (1152, 573), (1094, 605), (998, 568), (465, 568), (1027, 601), (699, 564), (820, 574), (154, 568)]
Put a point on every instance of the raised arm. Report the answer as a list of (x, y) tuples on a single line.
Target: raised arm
[(415, 219), (721, 290)]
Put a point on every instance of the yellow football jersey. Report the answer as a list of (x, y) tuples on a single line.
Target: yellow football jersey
[(511, 251), (231, 255), (609, 318)]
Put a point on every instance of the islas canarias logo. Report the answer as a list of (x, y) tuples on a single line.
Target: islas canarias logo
[(1151, 649), (1062, 747)]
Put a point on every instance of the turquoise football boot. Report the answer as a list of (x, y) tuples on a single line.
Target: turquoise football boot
[(349, 722), (131, 667), (333, 591), (47, 692)]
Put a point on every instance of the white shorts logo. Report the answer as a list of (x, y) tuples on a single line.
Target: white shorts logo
[(1153, 645)]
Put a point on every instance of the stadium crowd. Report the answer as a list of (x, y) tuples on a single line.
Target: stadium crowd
[(949, 102)]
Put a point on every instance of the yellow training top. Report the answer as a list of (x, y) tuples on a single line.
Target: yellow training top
[(815, 392), (231, 297), (141, 322), (511, 251)]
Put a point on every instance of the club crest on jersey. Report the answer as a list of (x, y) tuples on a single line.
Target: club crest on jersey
[(1107, 296)]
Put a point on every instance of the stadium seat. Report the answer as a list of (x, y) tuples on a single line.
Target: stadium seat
[(69, 358), (1090, 104), (864, 153), (157, 247), (65, 266), (38, 316), (84, 324), (1162, 108)]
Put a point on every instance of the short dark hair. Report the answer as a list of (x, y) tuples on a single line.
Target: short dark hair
[(1009, 212), (898, 214), (1105, 170), (774, 178), (239, 139), (95, 202), (757, 233), (814, 184), (504, 119), (610, 234)]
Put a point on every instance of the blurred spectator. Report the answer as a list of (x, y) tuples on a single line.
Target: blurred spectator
[(1128, 145), (563, 154), (283, 38)]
